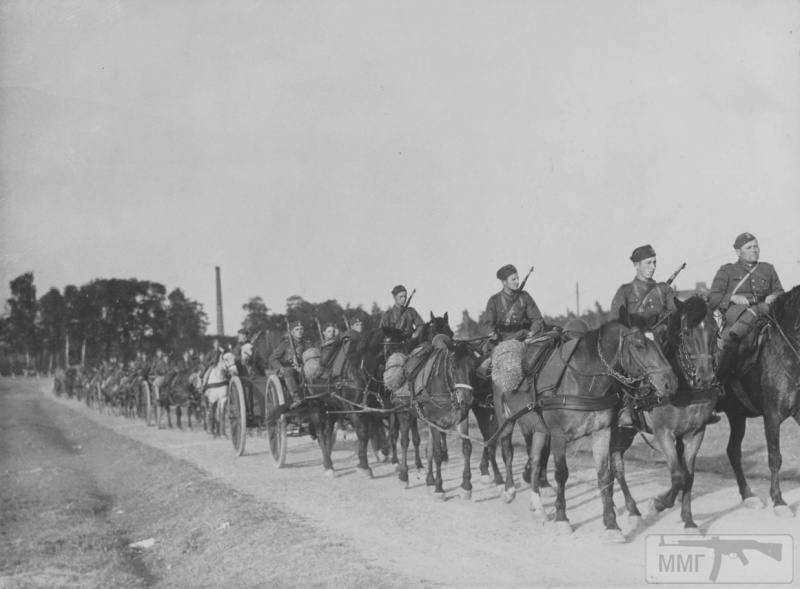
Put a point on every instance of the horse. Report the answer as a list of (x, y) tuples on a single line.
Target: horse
[(180, 391), (582, 403), (374, 347), (338, 393), (689, 343), (769, 389), (215, 389)]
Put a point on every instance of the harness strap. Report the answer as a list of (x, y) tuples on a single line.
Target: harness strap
[(578, 402)]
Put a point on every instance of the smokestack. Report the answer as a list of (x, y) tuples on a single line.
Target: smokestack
[(220, 325)]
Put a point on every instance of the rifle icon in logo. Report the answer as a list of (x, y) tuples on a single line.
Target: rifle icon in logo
[(731, 549)]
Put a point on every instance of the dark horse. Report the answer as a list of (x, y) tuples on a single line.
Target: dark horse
[(688, 341), (582, 404), (338, 393), (769, 389)]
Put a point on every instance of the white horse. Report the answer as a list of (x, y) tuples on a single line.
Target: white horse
[(215, 391)]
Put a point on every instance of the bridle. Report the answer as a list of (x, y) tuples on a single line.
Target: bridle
[(686, 361)]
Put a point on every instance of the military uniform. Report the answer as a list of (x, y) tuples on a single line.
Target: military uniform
[(408, 321), (511, 316), (158, 370), (755, 282), (647, 298), (284, 358)]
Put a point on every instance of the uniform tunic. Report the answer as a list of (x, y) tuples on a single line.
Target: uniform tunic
[(407, 321), (762, 282), (646, 298), (509, 314)]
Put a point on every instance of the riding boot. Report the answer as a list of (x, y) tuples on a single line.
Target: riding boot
[(625, 418)]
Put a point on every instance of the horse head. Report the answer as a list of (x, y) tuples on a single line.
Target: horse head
[(690, 343), (436, 326), (640, 358), (450, 383)]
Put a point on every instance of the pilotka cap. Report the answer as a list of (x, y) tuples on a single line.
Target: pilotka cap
[(506, 271), (398, 289), (743, 239), (294, 324), (642, 253)]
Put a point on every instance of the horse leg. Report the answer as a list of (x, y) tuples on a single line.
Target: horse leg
[(507, 450), (772, 431), (436, 458), (559, 448), (541, 473), (394, 433), (178, 412), (691, 446), (402, 465), (601, 447), (488, 426), (362, 427), (667, 444), (526, 472), (324, 427), (621, 440), (415, 439), (538, 441), (738, 425), (445, 454), (466, 449)]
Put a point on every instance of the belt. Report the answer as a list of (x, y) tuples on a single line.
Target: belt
[(513, 327)]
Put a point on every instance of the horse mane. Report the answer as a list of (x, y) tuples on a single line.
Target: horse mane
[(786, 311), (695, 309)]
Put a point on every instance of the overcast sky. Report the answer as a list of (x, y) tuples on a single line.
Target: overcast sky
[(334, 149)]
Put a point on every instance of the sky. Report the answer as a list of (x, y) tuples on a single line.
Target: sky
[(335, 149)]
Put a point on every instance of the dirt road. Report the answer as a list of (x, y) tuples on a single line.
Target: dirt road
[(218, 519)]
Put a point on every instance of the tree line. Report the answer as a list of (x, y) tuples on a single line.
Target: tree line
[(118, 318)]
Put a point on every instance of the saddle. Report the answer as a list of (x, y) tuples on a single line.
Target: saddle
[(550, 363), (416, 372)]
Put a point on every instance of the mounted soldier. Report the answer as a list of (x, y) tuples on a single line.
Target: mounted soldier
[(645, 297), (403, 316), (159, 368), (287, 359), (512, 312), (329, 343), (742, 291)]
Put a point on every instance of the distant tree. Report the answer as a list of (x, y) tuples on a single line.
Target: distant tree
[(23, 307), (468, 328), (186, 323), (52, 321)]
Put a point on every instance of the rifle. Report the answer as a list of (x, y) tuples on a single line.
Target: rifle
[(319, 330), (674, 275), (408, 302), (732, 549), (518, 292), (295, 363), (346, 322)]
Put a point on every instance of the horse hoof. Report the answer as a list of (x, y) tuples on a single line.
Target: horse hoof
[(509, 494), (783, 511), (486, 479), (329, 473), (365, 472), (563, 528), (635, 521), (438, 495), (692, 530), (466, 495), (548, 491), (614, 537), (403, 484), (753, 503)]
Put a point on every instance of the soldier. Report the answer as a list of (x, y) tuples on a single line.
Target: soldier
[(329, 343), (742, 291), (287, 359), (403, 317), (643, 295), (158, 371), (512, 313)]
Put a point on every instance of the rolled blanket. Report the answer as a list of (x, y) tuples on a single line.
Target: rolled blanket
[(395, 375), (507, 365), (312, 364)]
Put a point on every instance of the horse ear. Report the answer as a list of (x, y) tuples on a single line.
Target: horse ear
[(446, 320), (624, 317), (678, 304), (432, 317)]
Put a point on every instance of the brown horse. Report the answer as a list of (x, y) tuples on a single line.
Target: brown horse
[(688, 341), (769, 389), (583, 404)]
